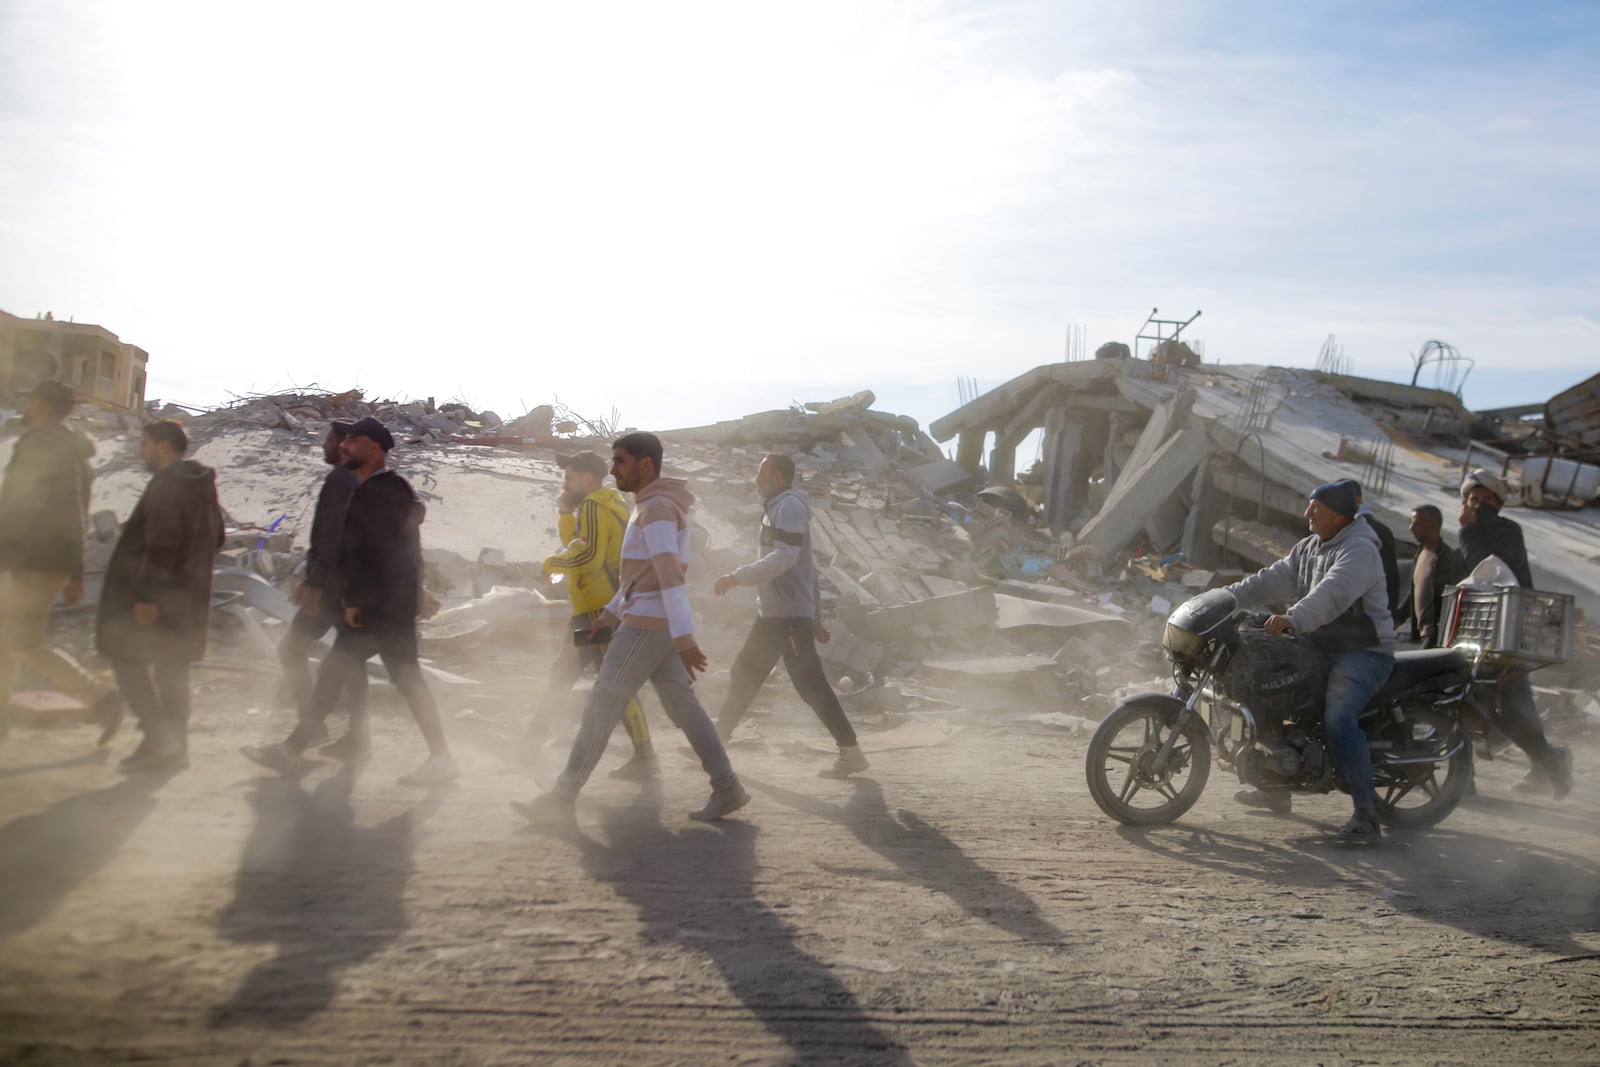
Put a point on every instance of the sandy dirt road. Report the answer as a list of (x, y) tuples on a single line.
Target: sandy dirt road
[(958, 904)]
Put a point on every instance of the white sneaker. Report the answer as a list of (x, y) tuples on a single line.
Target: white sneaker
[(435, 770), (850, 761)]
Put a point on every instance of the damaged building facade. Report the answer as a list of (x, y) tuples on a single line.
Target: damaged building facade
[(104, 369)]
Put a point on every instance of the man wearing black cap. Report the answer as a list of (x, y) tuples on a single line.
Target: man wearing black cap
[(1334, 583), (318, 596), (593, 519), (43, 501), (380, 568)]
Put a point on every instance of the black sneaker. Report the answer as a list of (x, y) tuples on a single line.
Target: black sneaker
[(281, 758), (1362, 829), (1274, 800), (1537, 780), (153, 754), (352, 746), (107, 713), (1559, 768)]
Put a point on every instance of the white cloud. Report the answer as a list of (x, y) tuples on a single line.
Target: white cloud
[(523, 201)]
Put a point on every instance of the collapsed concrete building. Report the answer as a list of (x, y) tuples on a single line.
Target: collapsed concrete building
[(1215, 461)]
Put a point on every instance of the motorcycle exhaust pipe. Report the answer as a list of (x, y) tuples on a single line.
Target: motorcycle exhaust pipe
[(1414, 761)]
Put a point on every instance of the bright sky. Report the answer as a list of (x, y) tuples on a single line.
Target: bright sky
[(690, 211)]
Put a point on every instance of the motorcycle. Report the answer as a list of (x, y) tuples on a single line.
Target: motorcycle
[(1149, 760)]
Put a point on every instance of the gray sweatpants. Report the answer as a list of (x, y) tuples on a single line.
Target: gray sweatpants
[(634, 657)]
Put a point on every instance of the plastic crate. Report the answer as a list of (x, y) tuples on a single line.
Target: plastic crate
[(1510, 623)]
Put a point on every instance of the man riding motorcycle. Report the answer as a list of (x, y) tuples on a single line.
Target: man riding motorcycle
[(1334, 583)]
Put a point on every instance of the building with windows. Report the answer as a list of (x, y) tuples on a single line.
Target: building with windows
[(102, 368)]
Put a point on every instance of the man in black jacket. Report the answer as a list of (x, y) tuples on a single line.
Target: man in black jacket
[(156, 601), (1484, 533), (318, 597), (43, 502), (1386, 549), (1437, 566), (380, 565)]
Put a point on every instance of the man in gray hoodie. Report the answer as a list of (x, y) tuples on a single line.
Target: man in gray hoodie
[(1334, 584), (785, 577)]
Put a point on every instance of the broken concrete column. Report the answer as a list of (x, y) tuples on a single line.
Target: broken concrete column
[(1066, 474), (1142, 489), (969, 451)]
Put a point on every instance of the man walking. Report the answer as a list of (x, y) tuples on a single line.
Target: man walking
[(1333, 581), (593, 520), (43, 501), (318, 597), (1437, 566), (787, 610), (654, 638), (156, 603), (380, 567), (1484, 533)]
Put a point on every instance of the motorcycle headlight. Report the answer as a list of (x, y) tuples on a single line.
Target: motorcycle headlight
[(1181, 644)]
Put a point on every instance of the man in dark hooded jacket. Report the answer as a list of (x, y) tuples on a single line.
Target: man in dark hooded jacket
[(318, 597), (42, 505), (380, 568), (156, 603)]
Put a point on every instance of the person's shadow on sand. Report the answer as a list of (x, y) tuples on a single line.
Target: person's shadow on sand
[(925, 856), (45, 856), (686, 884), (327, 892)]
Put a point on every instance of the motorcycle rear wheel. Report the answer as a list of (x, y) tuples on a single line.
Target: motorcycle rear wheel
[(1124, 761), (1418, 796)]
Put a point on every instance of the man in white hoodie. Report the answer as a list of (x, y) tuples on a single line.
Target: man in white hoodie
[(787, 624), (653, 640), (1333, 582)]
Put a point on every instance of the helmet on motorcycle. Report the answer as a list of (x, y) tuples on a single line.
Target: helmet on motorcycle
[(1192, 625)]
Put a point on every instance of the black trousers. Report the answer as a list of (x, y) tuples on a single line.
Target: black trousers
[(161, 705), (396, 646), (1519, 718), (792, 640), (305, 630)]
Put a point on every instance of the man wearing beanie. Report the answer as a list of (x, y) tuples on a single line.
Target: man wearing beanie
[(1484, 533), (1334, 585)]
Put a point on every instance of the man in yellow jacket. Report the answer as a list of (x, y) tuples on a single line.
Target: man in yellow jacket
[(592, 521)]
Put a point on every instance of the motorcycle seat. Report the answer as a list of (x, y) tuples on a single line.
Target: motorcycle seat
[(1413, 668)]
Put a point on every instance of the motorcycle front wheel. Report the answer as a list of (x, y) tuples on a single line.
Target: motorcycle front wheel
[(1129, 778), (1418, 795)]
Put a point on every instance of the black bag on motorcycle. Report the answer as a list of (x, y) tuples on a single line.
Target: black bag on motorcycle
[(1277, 678)]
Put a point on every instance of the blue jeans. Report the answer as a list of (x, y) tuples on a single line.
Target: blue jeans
[(632, 658), (1353, 678)]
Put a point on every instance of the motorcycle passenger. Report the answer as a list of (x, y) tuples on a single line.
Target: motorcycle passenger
[(1484, 533), (1334, 583)]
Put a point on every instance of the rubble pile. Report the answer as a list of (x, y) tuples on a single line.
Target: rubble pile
[(940, 593), (937, 597)]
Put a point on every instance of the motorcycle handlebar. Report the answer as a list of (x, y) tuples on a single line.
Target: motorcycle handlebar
[(1258, 619)]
